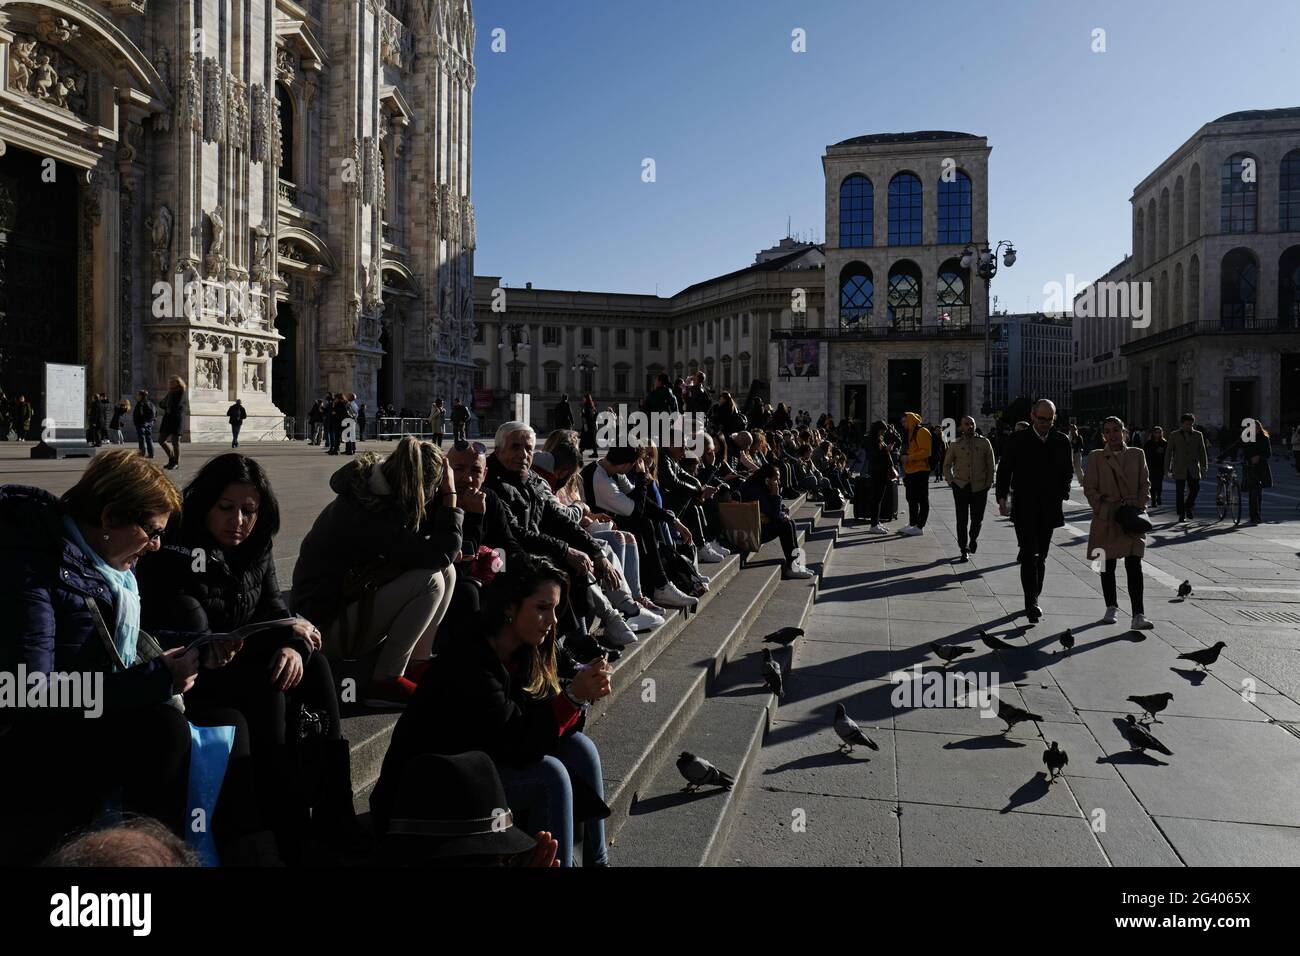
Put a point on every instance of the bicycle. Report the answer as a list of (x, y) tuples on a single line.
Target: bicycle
[(1227, 494)]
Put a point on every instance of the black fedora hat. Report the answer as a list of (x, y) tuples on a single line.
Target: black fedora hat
[(453, 806)]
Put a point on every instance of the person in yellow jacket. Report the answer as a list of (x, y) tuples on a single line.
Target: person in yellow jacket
[(916, 472), (968, 466)]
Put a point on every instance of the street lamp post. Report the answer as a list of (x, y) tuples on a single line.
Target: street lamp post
[(584, 365), (985, 261), (514, 335)]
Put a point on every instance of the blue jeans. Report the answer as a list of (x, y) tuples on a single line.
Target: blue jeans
[(629, 557), (144, 437), (543, 794)]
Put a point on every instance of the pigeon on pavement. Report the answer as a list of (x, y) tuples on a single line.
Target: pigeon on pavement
[(785, 635), (1013, 714), (1185, 589), (950, 652), (1067, 640), (1055, 758), (1152, 704), (994, 643), (1140, 739), (847, 729), (772, 675), (698, 772), (1205, 656)]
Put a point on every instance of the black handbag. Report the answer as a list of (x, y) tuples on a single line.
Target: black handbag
[(1130, 518)]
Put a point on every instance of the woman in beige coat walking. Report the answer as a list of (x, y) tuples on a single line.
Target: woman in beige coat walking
[(1117, 475)]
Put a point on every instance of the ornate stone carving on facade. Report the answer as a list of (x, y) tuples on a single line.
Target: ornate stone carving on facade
[(435, 210), (369, 164), (260, 108), (207, 374), (237, 111), (262, 264), (352, 179), (374, 297), (214, 114), (1242, 362), (160, 232), (286, 66), (277, 135), (45, 74), (853, 363), (254, 380), (394, 41), (189, 105), (468, 229), (955, 366), (215, 262), (1186, 363), (162, 60), (351, 321), (290, 250), (57, 30)]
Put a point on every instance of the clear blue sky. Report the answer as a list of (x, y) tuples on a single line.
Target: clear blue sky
[(737, 123)]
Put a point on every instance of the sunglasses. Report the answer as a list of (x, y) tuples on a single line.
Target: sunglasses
[(153, 533), (475, 446)]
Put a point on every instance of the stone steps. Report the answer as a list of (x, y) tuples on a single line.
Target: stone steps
[(665, 826)]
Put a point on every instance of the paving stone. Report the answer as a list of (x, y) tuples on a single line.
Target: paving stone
[(837, 832), (963, 836), (1218, 843)]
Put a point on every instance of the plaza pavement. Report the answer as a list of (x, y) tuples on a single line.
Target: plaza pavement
[(947, 788)]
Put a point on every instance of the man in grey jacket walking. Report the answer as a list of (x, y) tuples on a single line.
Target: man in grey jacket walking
[(1187, 460)]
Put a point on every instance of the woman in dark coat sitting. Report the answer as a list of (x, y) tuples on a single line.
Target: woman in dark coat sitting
[(70, 605), (215, 573), (495, 689)]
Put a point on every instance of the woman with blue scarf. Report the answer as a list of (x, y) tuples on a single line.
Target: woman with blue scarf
[(88, 720)]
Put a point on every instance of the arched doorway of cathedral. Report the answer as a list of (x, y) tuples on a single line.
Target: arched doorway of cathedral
[(284, 367), (38, 270), (384, 385)]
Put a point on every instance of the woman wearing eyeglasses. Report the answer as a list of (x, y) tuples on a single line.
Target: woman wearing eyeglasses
[(70, 606), (215, 573)]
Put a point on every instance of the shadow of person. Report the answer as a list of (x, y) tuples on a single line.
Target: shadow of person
[(677, 798), (1033, 789), (1193, 676), (1133, 757), (834, 758)]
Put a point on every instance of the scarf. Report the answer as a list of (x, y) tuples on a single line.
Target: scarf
[(126, 595)]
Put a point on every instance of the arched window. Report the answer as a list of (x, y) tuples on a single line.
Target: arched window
[(743, 379), (1153, 228), (1139, 237), (1194, 290), (953, 295), (905, 295), (1237, 289), (1288, 197), (726, 373), (1164, 222), (857, 206), (905, 210), (1178, 225), (284, 103), (1162, 307), (1194, 204), (955, 209), (1288, 289), (1238, 193), (1178, 294), (857, 294)]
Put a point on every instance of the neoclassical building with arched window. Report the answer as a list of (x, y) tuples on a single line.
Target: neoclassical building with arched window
[(1216, 234), (301, 165), (903, 327)]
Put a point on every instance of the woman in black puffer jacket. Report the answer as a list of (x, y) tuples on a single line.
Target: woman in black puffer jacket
[(215, 573)]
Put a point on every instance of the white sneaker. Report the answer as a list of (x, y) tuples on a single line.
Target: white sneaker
[(1140, 623), (708, 555), (907, 530), (645, 621), (913, 531), (720, 547), (617, 632), (1111, 615), (877, 529), (654, 609), (799, 573), (669, 596)]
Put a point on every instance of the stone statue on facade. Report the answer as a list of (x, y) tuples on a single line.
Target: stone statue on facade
[(216, 251)]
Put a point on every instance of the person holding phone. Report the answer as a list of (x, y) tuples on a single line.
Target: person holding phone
[(215, 573), (496, 689), (70, 605)]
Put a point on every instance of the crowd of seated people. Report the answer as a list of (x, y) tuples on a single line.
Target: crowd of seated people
[(484, 593)]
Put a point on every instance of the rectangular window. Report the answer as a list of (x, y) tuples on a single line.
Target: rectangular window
[(478, 333), (654, 338), (695, 335), (744, 324), (708, 334), (744, 373), (588, 382), (480, 378), (620, 338), (726, 329), (681, 338), (620, 381), (550, 335), (552, 380), (588, 338)]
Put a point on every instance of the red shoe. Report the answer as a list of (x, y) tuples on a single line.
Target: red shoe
[(389, 692), (415, 671)]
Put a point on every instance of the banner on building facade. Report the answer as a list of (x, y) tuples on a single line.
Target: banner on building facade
[(799, 358)]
